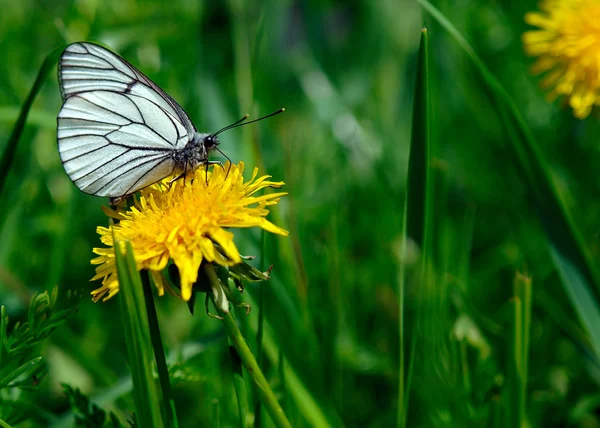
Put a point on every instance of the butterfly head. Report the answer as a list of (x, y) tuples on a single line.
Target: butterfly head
[(210, 142), (197, 150)]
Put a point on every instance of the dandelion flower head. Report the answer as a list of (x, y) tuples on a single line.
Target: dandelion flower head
[(186, 222), (567, 47)]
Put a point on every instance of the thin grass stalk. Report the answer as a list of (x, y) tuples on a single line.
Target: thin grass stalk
[(281, 370), (522, 292), (248, 360), (514, 399), (159, 353), (411, 364), (402, 399), (259, 331), (517, 376), (464, 366), (216, 421), (11, 146), (240, 386)]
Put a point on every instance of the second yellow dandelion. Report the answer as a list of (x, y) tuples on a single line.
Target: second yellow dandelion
[(567, 47)]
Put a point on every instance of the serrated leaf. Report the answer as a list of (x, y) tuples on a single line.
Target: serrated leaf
[(245, 272)]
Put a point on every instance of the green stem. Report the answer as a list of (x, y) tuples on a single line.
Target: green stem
[(216, 421), (248, 360), (159, 352), (259, 332)]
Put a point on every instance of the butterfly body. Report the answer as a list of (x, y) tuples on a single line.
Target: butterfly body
[(195, 152)]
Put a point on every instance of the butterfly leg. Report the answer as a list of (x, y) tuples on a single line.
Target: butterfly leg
[(171, 181), (116, 200), (207, 163)]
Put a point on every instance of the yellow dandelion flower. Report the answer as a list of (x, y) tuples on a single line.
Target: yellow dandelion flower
[(186, 222), (567, 45)]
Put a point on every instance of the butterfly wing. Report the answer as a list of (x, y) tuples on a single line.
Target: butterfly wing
[(87, 67), (117, 130), (113, 144)]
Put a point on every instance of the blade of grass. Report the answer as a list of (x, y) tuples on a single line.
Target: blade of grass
[(9, 151), (573, 262), (523, 291), (281, 371), (159, 353), (517, 375), (417, 209), (137, 336), (240, 386)]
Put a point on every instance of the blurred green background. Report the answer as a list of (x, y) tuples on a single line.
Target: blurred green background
[(345, 73)]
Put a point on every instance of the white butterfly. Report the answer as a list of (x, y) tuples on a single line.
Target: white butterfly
[(118, 132)]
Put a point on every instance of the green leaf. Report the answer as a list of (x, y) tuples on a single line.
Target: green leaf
[(419, 190), (137, 337), (17, 348), (571, 259), (88, 414), (418, 218), (29, 367)]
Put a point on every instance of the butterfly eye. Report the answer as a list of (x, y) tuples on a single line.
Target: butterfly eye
[(210, 142)]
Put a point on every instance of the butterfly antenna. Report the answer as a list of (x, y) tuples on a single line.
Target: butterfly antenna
[(233, 125), (239, 122)]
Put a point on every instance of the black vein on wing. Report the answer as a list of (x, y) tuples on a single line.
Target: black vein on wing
[(122, 173), (111, 143), (102, 165), (129, 81), (169, 115), (128, 191), (132, 121), (109, 110), (102, 177)]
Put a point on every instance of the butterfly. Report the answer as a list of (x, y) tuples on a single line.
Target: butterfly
[(118, 132)]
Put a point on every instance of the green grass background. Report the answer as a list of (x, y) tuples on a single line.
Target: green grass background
[(345, 73)]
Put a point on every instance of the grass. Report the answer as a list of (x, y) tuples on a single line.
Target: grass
[(357, 326)]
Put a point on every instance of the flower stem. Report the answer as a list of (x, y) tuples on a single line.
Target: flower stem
[(248, 360), (159, 352), (259, 332)]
